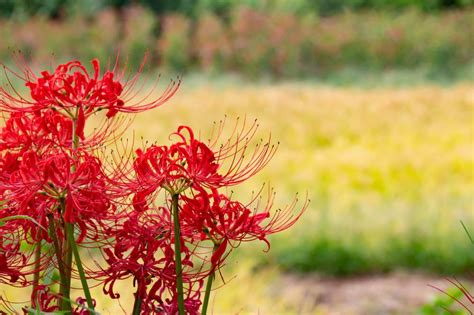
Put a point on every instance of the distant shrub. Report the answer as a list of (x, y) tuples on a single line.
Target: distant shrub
[(174, 43), (211, 44)]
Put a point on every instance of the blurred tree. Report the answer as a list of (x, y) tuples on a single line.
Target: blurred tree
[(6, 8), (53, 9), (57, 9)]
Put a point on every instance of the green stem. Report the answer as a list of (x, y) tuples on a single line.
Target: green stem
[(177, 253), (80, 269), (67, 261), (67, 269), (205, 303), (210, 279), (64, 302), (36, 276), (137, 305)]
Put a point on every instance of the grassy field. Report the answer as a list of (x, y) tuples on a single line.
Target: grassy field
[(389, 173)]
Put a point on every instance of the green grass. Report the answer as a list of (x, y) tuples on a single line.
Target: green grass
[(333, 256)]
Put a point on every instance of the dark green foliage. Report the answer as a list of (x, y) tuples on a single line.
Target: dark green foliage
[(55, 8), (335, 256)]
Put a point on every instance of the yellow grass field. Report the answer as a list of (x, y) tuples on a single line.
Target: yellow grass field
[(377, 164)]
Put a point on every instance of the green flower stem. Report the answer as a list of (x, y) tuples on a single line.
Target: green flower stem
[(137, 305), (36, 276), (210, 279), (177, 253), (80, 269), (205, 303), (67, 261), (64, 303)]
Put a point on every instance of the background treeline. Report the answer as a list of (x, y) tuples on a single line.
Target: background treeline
[(60, 8), (301, 38)]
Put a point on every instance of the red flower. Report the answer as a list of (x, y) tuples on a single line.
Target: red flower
[(44, 300), (72, 90), (159, 301), (39, 184), (12, 260), (228, 222), (39, 132), (177, 167), (133, 253), (191, 163), (81, 308)]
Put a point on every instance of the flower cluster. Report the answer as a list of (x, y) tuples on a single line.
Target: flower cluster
[(162, 218)]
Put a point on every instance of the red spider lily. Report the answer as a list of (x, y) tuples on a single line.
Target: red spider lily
[(81, 308), (161, 302), (39, 132), (133, 253), (191, 163), (176, 167), (225, 222), (41, 183), (48, 130), (12, 260), (75, 92), (238, 158), (44, 300), (142, 250)]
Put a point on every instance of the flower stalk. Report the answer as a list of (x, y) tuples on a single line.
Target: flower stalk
[(137, 305), (64, 302), (210, 279), (177, 253), (80, 268), (36, 276)]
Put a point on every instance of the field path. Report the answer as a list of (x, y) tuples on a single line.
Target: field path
[(397, 293)]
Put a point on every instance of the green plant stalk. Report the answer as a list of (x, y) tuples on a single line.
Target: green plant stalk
[(205, 303), (80, 268), (137, 305), (177, 253), (210, 279), (67, 262), (36, 276), (64, 304)]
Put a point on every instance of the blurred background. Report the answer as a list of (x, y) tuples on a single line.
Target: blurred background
[(372, 102)]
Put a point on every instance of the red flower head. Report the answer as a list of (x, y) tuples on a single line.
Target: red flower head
[(162, 299), (40, 185), (142, 250), (12, 260), (177, 167), (214, 216), (192, 163), (39, 132), (44, 300), (75, 92)]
